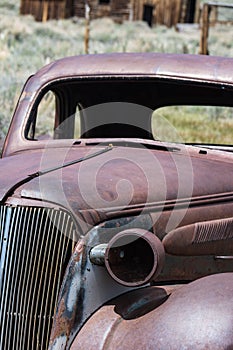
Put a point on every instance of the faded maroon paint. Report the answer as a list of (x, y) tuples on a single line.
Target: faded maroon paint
[(152, 187), (197, 184), (185, 67), (196, 316)]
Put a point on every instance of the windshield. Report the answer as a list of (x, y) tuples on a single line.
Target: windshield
[(166, 110), (194, 124)]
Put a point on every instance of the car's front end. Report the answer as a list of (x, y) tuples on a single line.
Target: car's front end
[(119, 237)]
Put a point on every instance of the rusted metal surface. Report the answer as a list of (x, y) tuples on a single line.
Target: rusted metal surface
[(133, 304), (185, 67), (86, 287), (196, 316), (153, 191), (202, 238), (97, 287), (94, 294), (134, 257), (70, 301), (189, 268), (181, 194), (215, 69)]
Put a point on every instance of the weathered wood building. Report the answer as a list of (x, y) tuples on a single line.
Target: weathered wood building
[(43, 10), (168, 12)]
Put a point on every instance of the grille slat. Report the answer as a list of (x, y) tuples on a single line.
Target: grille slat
[(55, 264), (34, 252), (34, 263), (22, 276), (21, 252), (6, 253), (27, 279), (11, 267), (48, 248), (40, 280), (44, 305), (2, 216)]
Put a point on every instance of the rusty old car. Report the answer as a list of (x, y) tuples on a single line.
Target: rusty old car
[(116, 230)]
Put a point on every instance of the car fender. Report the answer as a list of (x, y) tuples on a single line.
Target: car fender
[(198, 315)]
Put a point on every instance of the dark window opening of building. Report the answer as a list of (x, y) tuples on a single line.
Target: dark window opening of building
[(191, 5), (148, 14), (104, 1)]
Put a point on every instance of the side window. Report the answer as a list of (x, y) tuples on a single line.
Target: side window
[(194, 124), (68, 127), (45, 121), (50, 122), (77, 124)]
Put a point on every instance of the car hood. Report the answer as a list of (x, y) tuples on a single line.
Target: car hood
[(119, 179)]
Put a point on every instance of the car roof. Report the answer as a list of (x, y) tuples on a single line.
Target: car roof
[(180, 66)]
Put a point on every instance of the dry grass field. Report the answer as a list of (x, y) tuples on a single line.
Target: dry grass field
[(26, 45)]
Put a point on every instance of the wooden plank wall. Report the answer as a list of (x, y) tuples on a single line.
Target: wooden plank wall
[(96, 10), (166, 12), (138, 6), (79, 8), (185, 8), (117, 9), (43, 10), (121, 10)]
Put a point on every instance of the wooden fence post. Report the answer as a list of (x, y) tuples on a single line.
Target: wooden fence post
[(205, 30), (45, 11), (177, 9), (87, 28), (215, 14)]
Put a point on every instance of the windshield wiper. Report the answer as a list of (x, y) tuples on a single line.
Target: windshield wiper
[(72, 162), (49, 170)]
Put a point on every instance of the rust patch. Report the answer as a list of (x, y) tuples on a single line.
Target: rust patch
[(61, 324), (79, 250), (64, 319)]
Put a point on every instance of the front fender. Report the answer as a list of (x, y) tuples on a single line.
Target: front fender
[(198, 315)]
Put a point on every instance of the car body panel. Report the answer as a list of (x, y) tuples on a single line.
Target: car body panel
[(216, 70), (195, 316), (91, 192), (164, 178)]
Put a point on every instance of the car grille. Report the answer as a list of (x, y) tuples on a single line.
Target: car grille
[(34, 252)]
